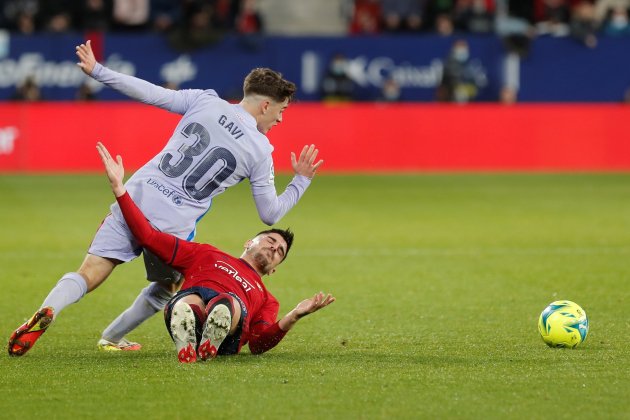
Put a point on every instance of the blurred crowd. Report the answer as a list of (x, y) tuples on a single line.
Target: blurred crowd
[(30, 16), (190, 24), (583, 19)]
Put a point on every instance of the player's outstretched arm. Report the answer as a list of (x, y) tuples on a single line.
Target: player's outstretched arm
[(114, 169), (306, 307), (306, 165), (167, 247), (177, 101), (264, 336), (87, 61), (271, 207)]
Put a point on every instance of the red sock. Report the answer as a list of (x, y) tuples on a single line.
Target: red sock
[(200, 314)]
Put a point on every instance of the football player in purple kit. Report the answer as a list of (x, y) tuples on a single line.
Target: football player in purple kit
[(214, 146)]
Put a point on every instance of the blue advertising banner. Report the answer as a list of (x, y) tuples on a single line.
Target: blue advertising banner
[(562, 70), (555, 69)]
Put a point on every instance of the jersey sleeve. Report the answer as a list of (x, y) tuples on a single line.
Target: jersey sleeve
[(263, 339), (177, 101), (271, 207), (265, 333), (170, 249)]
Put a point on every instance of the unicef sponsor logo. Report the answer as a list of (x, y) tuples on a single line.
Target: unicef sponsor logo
[(167, 191)]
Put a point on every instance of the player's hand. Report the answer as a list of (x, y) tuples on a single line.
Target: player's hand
[(113, 168), (314, 304), (304, 165), (86, 57)]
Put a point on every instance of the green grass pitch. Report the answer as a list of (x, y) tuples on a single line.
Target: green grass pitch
[(439, 279)]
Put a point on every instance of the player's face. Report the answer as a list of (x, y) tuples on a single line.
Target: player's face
[(267, 251), (272, 115)]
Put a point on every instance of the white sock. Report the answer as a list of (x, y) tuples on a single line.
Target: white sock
[(150, 300), (68, 290)]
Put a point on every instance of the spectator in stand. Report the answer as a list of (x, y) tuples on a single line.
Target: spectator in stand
[(603, 9), (25, 23), (366, 15), (617, 24), (444, 25), (19, 15), (584, 23), (95, 15), (28, 91), (554, 18), (402, 15), (459, 82), (475, 16), (164, 15), (248, 20), (224, 13), (249, 25), (58, 15), (390, 91), (196, 30), (131, 15), (513, 23), (337, 85)]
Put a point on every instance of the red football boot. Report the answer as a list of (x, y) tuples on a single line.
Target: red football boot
[(183, 332), (24, 338), (216, 328)]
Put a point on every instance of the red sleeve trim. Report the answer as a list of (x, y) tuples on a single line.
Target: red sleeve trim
[(264, 339)]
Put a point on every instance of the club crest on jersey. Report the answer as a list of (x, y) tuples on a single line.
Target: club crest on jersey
[(177, 200), (232, 128)]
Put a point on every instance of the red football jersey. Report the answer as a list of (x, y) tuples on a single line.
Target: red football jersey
[(206, 266)]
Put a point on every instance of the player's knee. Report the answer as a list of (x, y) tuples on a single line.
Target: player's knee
[(95, 270)]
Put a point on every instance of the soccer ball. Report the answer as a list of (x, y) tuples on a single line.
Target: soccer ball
[(563, 324)]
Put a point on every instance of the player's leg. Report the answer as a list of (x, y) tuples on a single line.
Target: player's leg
[(223, 319), (68, 290), (184, 321), (165, 281)]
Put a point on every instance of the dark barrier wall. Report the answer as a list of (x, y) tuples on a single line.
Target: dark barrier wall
[(557, 70), (361, 137)]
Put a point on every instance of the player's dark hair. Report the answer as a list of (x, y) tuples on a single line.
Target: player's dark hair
[(266, 82), (286, 234)]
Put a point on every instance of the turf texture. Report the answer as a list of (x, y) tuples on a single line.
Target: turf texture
[(440, 280)]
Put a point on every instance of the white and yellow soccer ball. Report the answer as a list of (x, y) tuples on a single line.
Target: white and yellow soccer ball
[(563, 324)]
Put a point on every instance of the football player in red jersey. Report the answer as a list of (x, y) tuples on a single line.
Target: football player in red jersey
[(223, 303)]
